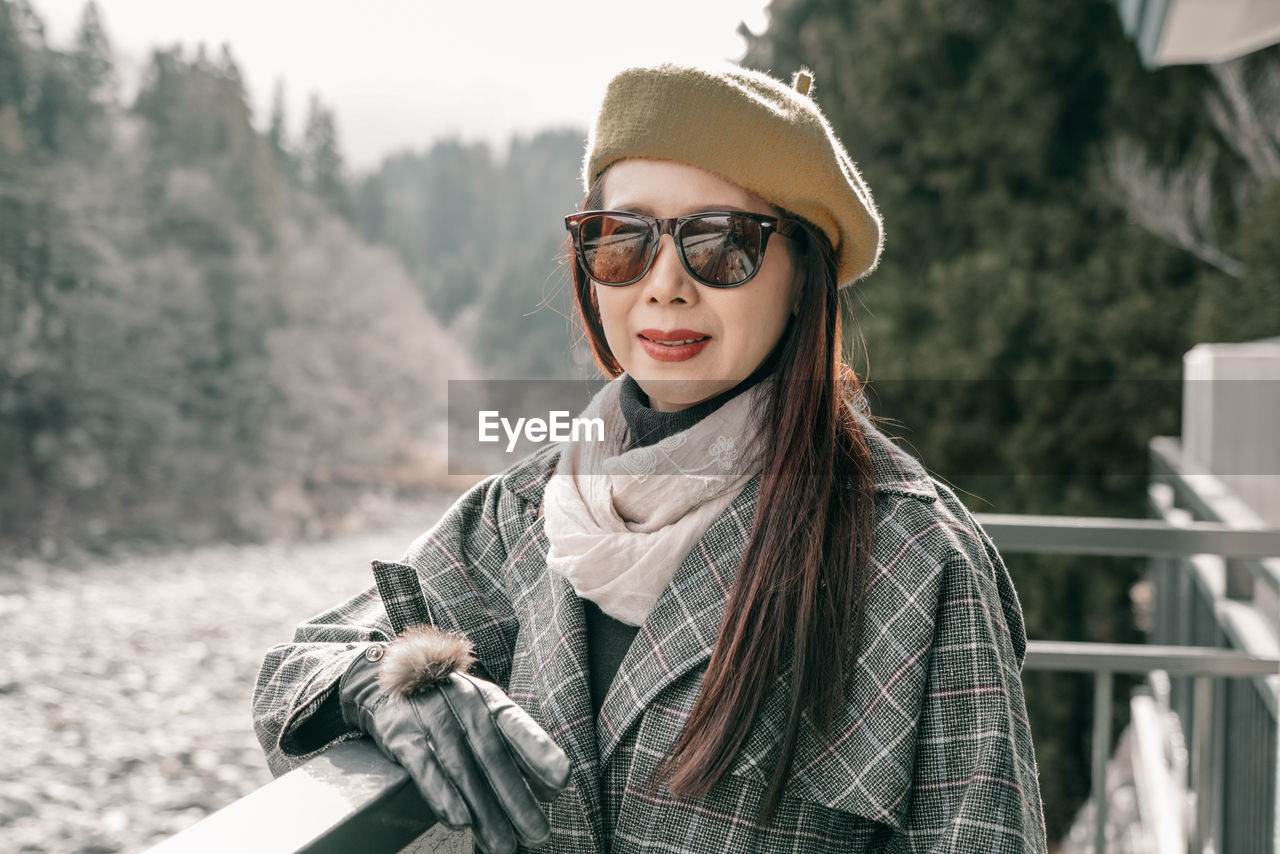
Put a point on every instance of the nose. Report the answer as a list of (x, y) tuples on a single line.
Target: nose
[(667, 281)]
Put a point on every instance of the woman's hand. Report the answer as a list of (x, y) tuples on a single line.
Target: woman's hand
[(474, 754)]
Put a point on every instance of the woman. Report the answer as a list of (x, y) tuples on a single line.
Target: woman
[(745, 621)]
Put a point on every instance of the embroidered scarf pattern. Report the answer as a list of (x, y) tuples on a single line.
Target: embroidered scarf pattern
[(620, 522)]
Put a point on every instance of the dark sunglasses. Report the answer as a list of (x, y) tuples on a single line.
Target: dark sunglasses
[(720, 249)]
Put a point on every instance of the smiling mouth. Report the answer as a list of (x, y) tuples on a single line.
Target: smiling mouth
[(672, 345), (673, 337), (677, 342)]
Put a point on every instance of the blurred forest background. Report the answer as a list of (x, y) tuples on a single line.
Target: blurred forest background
[(211, 332)]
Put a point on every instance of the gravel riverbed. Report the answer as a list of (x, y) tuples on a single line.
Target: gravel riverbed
[(125, 683)]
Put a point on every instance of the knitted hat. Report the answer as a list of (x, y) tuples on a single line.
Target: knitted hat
[(751, 130)]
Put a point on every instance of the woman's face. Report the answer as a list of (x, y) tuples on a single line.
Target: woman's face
[(735, 328)]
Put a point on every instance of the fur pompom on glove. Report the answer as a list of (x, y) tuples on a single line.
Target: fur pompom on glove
[(477, 758), (420, 657)]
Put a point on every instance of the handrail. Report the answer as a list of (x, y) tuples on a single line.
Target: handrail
[(1098, 535), (349, 798), (1079, 656)]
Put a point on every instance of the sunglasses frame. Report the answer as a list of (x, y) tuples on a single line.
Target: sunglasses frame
[(659, 226)]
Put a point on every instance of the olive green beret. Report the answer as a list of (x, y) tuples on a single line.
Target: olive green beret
[(750, 129)]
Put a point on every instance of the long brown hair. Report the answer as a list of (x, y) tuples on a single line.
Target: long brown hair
[(799, 589)]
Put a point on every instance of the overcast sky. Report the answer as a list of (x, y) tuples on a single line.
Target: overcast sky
[(402, 73)]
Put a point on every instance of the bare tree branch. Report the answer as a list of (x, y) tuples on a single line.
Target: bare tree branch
[(1247, 121), (1174, 204)]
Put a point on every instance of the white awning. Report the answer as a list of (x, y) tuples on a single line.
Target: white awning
[(1182, 32)]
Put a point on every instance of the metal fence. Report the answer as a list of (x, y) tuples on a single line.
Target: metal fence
[(351, 798), (1227, 601)]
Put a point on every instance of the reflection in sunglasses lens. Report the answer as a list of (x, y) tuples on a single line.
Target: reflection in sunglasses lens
[(616, 248), (719, 249)]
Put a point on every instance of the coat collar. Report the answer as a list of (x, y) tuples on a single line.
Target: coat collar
[(894, 470), (677, 637)]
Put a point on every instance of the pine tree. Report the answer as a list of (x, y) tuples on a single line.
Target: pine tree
[(322, 168), (13, 87), (13, 72), (91, 57), (229, 70), (277, 134)]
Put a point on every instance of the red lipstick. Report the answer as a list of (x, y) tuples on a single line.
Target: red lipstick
[(673, 345)]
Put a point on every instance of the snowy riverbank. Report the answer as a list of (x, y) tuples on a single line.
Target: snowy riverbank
[(125, 684)]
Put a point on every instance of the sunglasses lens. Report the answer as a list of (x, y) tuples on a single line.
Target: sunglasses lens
[(615, 248), (722, 249)]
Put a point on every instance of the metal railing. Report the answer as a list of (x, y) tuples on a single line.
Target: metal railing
[(1105, 660), (1220, 600), (349, 798), (1201, 663), (352, 793)]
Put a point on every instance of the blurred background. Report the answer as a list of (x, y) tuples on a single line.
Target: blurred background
[(242, 251)]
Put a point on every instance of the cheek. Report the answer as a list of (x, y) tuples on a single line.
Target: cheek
[(767, 330), (612, 308), (763, 318), (749, 328)]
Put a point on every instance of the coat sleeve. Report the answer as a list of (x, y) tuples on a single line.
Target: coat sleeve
[(458, 564), (975, 784)]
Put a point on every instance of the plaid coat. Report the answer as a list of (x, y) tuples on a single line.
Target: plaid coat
[(933, 751)]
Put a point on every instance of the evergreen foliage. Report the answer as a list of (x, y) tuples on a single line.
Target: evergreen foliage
[(321, 161), (193, 345), (91, 57), (484, 241)]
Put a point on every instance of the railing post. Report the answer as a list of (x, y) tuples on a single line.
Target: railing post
[(1101, 751), (1206, 775), (1239, 580)]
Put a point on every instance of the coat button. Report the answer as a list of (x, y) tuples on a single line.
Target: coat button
[(375, 652)]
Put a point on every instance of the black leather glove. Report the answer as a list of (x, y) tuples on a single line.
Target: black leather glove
[(474, 754)]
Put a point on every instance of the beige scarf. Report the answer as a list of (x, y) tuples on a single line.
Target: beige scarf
[(621, 522)]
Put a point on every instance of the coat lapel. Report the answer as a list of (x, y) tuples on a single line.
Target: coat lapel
[(680, 631), (866, 769), (556, 689)]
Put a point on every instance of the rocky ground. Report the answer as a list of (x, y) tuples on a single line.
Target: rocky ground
[(125, 683)]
